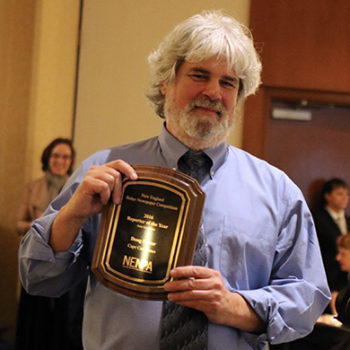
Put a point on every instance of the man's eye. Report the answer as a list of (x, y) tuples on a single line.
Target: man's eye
[(228, 84), (198, 76)]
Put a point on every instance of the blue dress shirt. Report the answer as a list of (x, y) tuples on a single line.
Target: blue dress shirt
[(260, 236)]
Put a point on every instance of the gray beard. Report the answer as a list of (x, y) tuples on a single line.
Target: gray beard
[(197, 132)]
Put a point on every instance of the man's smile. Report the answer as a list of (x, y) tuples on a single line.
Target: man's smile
[(207, 107)]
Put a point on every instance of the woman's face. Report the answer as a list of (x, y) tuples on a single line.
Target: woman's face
[(60, 159)]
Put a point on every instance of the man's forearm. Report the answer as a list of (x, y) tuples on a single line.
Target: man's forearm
[(241, 315)]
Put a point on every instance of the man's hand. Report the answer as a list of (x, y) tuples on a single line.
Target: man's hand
[(203, 289), (99, 185)]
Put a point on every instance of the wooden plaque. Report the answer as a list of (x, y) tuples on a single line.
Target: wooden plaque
[(153, 230)]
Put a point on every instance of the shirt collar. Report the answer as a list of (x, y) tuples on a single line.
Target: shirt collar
[(335, 215), (173, 149)]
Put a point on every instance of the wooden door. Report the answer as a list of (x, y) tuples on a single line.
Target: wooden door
[(311, 152)]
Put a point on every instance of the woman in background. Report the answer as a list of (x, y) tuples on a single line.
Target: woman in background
[(57, 163), (48, 323)]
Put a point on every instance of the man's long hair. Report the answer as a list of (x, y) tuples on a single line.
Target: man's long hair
[(201, 37)]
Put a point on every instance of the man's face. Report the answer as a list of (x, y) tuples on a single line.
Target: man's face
[(343, 257), (338, 199), (200, 103)]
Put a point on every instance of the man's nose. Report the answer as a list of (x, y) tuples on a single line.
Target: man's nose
[(213, 89)]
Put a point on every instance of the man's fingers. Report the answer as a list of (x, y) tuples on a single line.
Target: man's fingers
[(190, 296), (123, 168), (105, 192), (191, 271), (106, 179), (117, 189), (186, 284)]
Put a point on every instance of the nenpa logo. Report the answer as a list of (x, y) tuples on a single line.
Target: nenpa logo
[(131, 262)]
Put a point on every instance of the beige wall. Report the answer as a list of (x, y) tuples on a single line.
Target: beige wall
[(117, 37), (38, 41), (53, 77), (16, 38)]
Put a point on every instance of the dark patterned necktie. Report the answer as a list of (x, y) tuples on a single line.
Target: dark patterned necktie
[(184, 328)]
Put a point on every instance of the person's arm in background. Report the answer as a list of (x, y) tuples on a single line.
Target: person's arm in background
[(332, 303), (23, 220), (32, 204)]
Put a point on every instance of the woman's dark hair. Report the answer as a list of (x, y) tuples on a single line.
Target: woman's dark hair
[(48, 150), (331, 185)]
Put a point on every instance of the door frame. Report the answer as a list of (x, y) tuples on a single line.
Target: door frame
[(257, 112)]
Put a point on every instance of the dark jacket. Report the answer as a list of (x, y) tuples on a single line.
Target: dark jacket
[(327, 232)]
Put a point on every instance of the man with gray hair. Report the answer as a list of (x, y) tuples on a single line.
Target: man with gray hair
[(262, 280)]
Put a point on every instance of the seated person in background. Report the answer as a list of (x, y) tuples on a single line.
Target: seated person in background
[(331, 222), (342, 300)]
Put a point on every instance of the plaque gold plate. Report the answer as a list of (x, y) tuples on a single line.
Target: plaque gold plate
[(153, 230)]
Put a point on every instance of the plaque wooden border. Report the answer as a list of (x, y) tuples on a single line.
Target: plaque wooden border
[(153, 230)]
